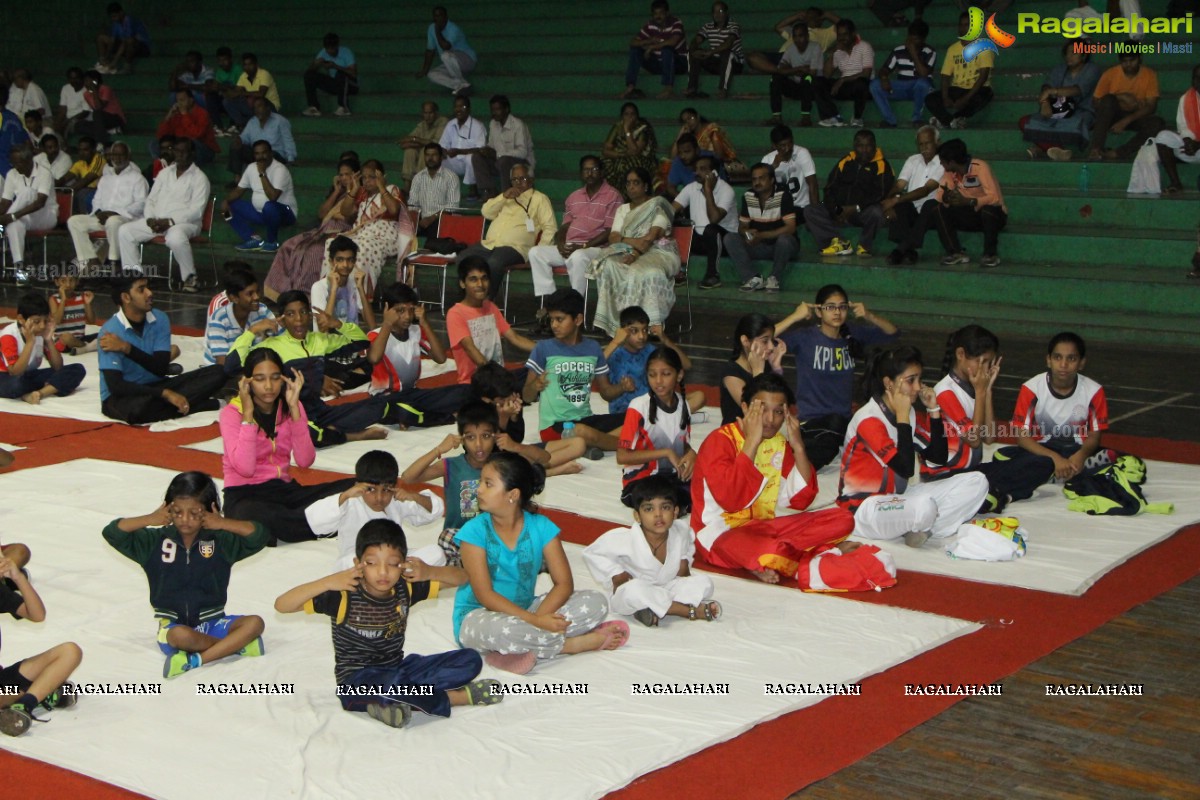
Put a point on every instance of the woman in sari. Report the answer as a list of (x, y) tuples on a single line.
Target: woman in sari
[(382, 227), (638, 266), (1064, 118), (298, 261), (712, 138), (630, 145)]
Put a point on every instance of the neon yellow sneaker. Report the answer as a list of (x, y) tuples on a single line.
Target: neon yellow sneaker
[(254, 649), (838, 247), (179, 663), (862, 251)]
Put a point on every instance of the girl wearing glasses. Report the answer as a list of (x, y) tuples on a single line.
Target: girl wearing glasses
[(262, 430), (827, 345)]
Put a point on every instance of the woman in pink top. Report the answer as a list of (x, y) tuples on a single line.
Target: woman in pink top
[(262, 430)]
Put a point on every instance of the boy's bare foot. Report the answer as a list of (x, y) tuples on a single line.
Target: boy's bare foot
[(33, 398), (848, 547), (373, 432), (569, 468), (766, 575)]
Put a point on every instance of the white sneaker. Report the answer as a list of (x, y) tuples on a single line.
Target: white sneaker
[(342, 111), (220, 133), (832, 122), (856, 122), (311, 111), (958, 123), (189, 285), (935, 122), (753, 285), (772, 284), (233, 130)]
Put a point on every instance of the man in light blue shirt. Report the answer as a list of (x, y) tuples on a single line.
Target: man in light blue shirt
[(333, 70), (449, 43), (268, 125)]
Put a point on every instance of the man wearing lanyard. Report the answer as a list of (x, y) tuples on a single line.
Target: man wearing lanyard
[(519, 216)]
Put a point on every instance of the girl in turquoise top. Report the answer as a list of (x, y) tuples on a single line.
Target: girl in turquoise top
[(503, 550)]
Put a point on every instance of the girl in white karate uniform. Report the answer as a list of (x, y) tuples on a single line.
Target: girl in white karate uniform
[(878, 458), (647, 567)]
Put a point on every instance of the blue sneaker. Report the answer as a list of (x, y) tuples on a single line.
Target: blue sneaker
[(269, 247), (253, 243)]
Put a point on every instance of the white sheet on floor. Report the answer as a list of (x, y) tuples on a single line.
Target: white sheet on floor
[(546, 746), (84, 403)]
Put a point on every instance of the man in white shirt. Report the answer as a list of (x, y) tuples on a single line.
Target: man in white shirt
[(794, 169), (26, 204), (272, 201), (713, 208), (72, 107), (915, 187), (433, 190), (508, 144), (25, 95), (53, 158), (120, 197), (464, 137), (174, 210)]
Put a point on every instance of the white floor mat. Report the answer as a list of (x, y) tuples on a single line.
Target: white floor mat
[(545, 746)]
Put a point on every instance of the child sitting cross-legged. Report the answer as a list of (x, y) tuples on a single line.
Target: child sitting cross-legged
[(648, 565), (375, 495), (629, 352), (24, 344), (561, 372), (369, 604), (39, 680), (187, 550), (503, 549)]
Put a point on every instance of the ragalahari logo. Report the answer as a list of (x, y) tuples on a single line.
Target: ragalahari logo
[(977, 31)]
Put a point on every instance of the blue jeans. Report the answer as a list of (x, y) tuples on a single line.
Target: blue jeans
[(662, 62), (914, 89), (273, 215), (65, 380), (442, 672)]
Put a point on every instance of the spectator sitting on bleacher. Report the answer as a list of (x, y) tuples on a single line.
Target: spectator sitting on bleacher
[(1065, 115), (120, 197), (267, 125), (53, 158), (969, 200), (766, 229), (382, 228), (72, 108), (711, 138), (26, 204), (334, 71), (220, 90), (717, 50), (166, 157), (85, 173), (107, 114), (191, 75), (811, 18), (127, 40), (253, 84), (794, 169), (434, 189), (795, 76), (907, 74), (448, 42), (915, 188), (661, 48), (25, 95), (630, 144), (12, 134), (1185, 145), (712, 207), (682, 170), (186, 120), (966, 88), (1125, 100), (36, 129), (853, 193), (242, 311), (428, 131), (853, 59), (298, 262), (518, 217), (272, 201), (508, 144), (587, 221), (463, 137), (174, 210)]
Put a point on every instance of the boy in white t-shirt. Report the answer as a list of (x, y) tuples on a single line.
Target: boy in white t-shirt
[(395, 353), (23, 345)]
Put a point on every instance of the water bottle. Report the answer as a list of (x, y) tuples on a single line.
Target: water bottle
[(568, 430), (1085, 179)]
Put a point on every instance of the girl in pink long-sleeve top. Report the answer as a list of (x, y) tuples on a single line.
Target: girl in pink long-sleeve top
[(263, 430)]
